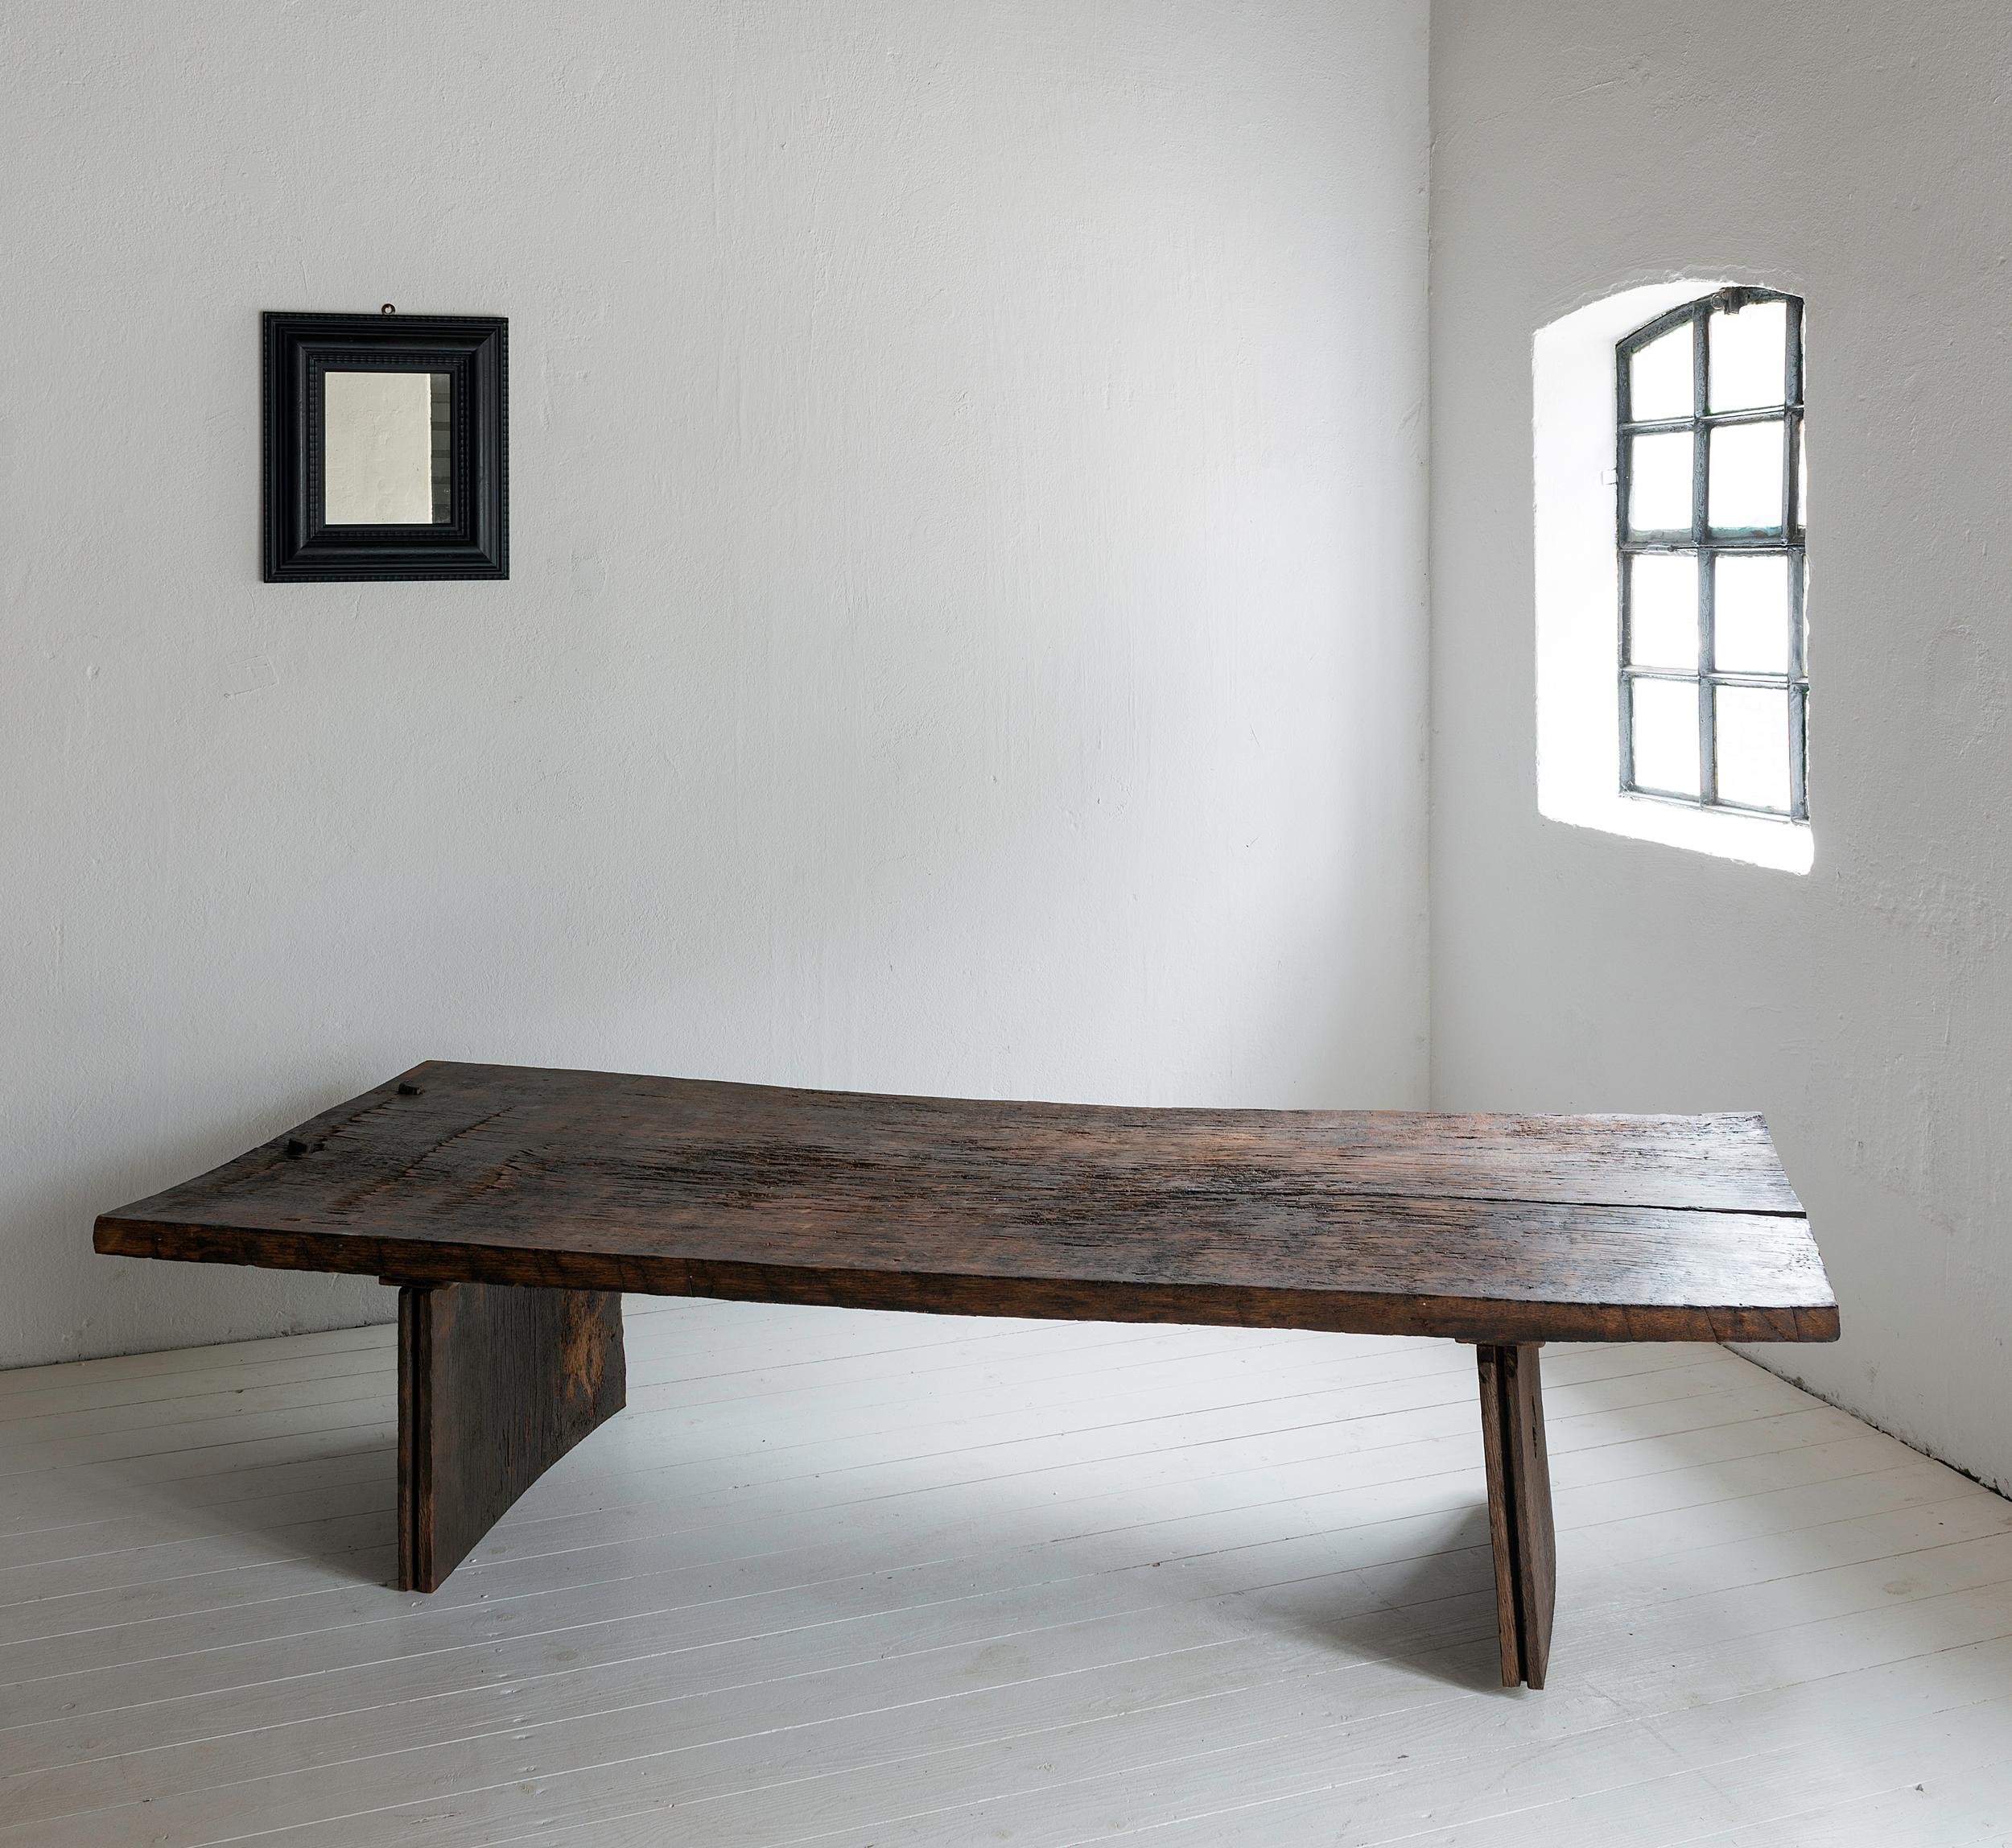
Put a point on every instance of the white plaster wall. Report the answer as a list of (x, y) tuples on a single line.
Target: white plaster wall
[(1853, 151), (967, 627)]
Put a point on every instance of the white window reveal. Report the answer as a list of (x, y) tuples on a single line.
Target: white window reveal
[(1670, 483)]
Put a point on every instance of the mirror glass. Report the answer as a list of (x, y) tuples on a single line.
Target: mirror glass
[(386, 448)]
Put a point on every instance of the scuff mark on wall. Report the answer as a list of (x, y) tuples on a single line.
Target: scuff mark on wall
[(257, 675)]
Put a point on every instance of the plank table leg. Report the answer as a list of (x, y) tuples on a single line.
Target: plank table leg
[(1519, 1508), (496, 1382)]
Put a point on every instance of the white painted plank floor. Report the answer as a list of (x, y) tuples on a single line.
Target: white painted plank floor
[(874, 1581)]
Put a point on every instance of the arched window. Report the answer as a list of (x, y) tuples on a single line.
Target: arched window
[(1714, 685)]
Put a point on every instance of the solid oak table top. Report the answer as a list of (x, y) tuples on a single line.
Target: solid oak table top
[(1495, 1228)]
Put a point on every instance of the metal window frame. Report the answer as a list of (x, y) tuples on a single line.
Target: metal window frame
[(1701, 542)]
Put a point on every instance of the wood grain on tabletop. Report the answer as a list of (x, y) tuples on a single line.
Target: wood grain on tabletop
[(1508, 1228)]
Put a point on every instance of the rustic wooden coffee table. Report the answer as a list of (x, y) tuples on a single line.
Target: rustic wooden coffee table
[(512, 1205)]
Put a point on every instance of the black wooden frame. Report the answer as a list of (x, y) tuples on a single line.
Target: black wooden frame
[(1707, 545), (299, 349)]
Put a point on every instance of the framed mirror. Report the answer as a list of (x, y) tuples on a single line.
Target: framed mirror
[(386, 447)]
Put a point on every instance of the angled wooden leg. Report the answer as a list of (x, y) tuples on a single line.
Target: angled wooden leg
[(496, 1382), (1519, 1508)]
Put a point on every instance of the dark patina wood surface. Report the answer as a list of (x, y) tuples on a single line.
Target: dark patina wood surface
[(1492, 1228), (1519, 1525), (495, 1385), (509, 1203)]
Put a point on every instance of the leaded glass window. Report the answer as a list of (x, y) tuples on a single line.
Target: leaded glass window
[(1715, 690)]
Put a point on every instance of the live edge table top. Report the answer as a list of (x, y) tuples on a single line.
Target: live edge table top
[(1490, 1228)]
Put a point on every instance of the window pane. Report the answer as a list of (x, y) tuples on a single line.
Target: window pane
[(1659, 482), (1749, 357), (1747, 481), (1753, 746), (1749, 626), (1661, 382), (1665, 736), (1663, 610)]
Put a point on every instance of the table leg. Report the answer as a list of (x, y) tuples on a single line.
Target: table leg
[(496, 1382), (1519, 1508)]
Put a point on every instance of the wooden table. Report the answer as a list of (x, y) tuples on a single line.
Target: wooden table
[(511, 1205)]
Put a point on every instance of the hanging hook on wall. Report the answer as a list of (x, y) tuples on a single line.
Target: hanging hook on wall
[(387, 309)]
